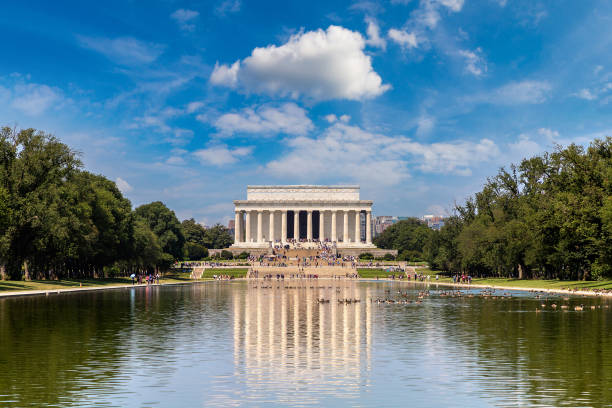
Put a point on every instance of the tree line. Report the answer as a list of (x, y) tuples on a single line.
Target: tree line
[(548, 217), (60, 221)]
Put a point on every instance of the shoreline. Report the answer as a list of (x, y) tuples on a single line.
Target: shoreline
[(47, 292), (498, 287)]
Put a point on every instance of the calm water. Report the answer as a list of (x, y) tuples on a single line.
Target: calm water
[(226, 344)]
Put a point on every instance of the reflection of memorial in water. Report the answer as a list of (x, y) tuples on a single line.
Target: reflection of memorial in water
[(283, 335)]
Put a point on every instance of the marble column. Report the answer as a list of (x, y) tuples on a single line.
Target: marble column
[(309, 225), (237, 232), (368, 227), (284, 226), (247, 226), (358, 226), (296, 225), (271, 226), (345, 232), (321, 225), (259, 225), (334, 233)]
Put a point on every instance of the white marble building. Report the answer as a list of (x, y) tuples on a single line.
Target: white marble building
[(279, 214)]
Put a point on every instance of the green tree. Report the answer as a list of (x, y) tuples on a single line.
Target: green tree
[(407, 236), (218, 237), (165, 225), (195, 240)]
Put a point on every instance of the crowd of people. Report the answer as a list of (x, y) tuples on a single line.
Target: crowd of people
[(463, 278), (223, 277), (149, 279)]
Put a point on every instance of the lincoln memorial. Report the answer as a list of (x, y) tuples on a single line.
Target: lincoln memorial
[(273, 215)]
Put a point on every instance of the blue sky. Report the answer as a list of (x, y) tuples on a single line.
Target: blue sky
[(417, 101)]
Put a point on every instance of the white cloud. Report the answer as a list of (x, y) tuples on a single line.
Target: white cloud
[(221, 155), (585, 94), (175, 160), (225, 75), (515, 93), (524, 147), (598, 69), (266, 120), (350, 153), (523, 92), (425, 125), (320, 65), (331, 118), (454, 5), (123, 185), (34, 99), (184, 18), (194, 106), (404, 39), (374, 39), (428, 13), (475, 63), (123, 50), (228, 6), (549, 134)]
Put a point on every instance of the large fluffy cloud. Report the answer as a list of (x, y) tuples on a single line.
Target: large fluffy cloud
[(322, 64), (350, 153), (266, 120)]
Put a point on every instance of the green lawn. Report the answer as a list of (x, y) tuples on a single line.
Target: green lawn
[(544, 284), (233, 272), (10, 286), (370, 273)]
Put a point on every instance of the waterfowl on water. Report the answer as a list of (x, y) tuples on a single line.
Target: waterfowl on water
[(579, 308)]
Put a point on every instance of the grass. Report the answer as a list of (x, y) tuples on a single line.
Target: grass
[(11, 286), (370, 273), (544, 283), (233, 272)]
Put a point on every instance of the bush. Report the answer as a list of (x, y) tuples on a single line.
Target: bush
[(366, 256), (225, 254), (243, 255), (389, 257)]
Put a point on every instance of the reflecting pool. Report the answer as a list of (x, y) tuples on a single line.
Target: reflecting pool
[(274, 343)]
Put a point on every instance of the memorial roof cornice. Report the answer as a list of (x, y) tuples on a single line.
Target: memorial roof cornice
[(309, 202), (304, 186)]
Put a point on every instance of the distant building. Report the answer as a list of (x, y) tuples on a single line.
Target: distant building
[(433, 221), (231, 226), (383, 222)]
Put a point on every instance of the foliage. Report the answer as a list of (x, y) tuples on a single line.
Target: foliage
[(243, 255), (60, 222), (366, 256), (408, 236), (388, 257), (225, 254), (195, 240), (218, 237), (165, 225), (548, 218)]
